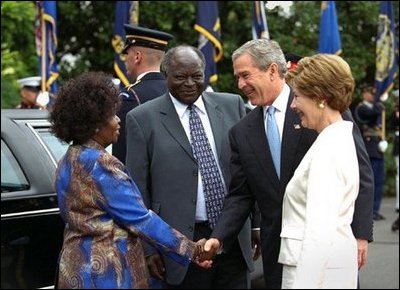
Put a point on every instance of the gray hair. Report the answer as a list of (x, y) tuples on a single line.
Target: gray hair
[(263, 52), (166, 62)]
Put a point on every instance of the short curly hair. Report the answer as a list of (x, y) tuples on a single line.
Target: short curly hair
[(83, 104)]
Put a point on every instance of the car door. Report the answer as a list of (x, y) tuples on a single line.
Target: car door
[(31, 227)]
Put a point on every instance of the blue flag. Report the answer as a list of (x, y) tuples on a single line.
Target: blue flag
[(46, 44), (126, 12), (259, 28), (208, 25), (329, 36), (386, 51)]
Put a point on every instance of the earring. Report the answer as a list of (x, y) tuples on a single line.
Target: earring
[(321, 105), (96, 130)]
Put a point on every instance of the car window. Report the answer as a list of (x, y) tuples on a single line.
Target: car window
[(12, 176), (56, 147)]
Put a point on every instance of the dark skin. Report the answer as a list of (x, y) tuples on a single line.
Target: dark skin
[(185, 82), (186, 78)]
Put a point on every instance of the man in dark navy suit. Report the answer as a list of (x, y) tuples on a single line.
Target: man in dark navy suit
[(144, 49)]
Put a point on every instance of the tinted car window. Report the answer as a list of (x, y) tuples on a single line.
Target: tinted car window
[(56, 147), (12, 177)]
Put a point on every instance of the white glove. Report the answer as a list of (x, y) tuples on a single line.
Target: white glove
[(382, 146)]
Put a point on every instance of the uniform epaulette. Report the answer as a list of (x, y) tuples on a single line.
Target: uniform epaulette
[(132, 85), (130, 92), (128, 87)]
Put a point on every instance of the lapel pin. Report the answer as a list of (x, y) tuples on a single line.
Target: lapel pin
[(296, 126)]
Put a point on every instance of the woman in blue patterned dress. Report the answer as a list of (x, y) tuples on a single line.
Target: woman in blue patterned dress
[(103, 210)]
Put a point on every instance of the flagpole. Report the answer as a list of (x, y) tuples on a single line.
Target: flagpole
[(383, 124), (43, 50)]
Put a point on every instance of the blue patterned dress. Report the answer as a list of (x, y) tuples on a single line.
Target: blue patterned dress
[(105, 216)]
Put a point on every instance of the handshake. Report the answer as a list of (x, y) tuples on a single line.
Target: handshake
[(205, 251)]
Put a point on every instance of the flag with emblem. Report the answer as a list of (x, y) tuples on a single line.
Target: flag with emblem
[(46, 44), (329, 36), (209, 27), (259, 28), (386, 51), (126, 12)]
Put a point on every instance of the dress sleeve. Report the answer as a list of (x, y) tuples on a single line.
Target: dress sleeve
[(121, 199)]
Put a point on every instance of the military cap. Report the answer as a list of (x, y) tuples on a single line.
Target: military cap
[(292, 60), (33, 82), (141, 36), (292, 57)]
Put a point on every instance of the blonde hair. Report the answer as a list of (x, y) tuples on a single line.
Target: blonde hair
[(324, 77)]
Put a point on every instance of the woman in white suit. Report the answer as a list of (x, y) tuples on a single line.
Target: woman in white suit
[(318, 248)]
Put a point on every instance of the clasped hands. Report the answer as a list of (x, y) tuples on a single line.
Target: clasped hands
[(205, 252)]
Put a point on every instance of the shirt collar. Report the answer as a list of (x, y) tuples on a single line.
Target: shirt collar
[(181, 108), (281, 101), (143, 74)]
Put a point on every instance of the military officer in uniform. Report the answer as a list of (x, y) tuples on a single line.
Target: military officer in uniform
[(368, 114), (31, 95), (144, 49)]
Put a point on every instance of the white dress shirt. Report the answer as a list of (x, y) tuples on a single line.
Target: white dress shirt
[(183, 114)]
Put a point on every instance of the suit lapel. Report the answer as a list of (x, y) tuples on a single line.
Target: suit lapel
[(216, 120), (171, 122), (290, 139), (258, 141)]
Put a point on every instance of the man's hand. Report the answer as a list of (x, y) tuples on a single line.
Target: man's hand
[(362, 246), (199, 248), (256, 243), (198, 254), (156, 266), (211, 247)]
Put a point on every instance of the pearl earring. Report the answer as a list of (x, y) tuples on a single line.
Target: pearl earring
[(321, 105)]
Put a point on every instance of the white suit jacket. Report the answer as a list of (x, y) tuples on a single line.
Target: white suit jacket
[(318, 208)]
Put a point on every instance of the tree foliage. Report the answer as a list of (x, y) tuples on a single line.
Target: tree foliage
[(85, 30), (18, 56)]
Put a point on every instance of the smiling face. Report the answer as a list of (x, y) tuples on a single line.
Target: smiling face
[(261, 87), (308, 111), (109, 133), (185, 79)]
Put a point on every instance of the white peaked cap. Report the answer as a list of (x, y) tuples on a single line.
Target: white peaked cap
[(30, 82)]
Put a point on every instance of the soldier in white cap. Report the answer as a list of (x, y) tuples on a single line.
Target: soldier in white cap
[(31, 96)]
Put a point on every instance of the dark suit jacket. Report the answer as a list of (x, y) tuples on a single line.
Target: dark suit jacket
[(160, 159), (150, 86), (254, 177), (368, 121)]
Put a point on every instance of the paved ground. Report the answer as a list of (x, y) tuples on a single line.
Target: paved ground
[(382, 269)]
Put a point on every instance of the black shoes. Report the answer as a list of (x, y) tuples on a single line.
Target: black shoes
[(378, 217), (395, 225)]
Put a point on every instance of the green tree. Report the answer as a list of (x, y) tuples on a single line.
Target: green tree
[(18, 56)]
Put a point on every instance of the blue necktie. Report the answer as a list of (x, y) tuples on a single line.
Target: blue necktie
[(273, 139), (213, 187)]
